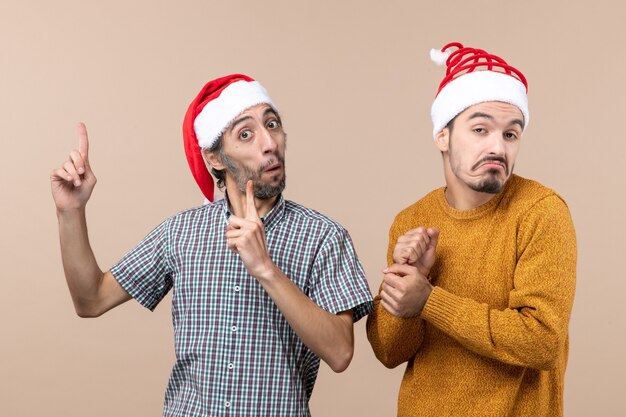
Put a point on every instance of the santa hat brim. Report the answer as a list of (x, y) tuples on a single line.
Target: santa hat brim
[(218, 113), (477, 87)]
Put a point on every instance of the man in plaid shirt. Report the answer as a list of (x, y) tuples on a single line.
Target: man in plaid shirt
[(263, 288)]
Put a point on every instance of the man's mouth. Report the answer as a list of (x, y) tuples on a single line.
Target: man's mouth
[(491, 163), (275, 167)]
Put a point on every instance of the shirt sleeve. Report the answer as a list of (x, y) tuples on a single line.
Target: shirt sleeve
[(145, 272), (338, 282), (394, 339), (532, 331)]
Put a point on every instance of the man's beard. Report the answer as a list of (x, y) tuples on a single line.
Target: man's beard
[(490, 185), (242, 174)]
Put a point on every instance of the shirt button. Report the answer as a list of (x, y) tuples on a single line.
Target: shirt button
[(233, 328), (237, 288), (226, 404), (231, 365)]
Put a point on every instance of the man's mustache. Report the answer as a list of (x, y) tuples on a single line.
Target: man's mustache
[(269, 163), (489, 159)]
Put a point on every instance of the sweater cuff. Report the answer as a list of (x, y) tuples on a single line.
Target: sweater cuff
[(441, 308)]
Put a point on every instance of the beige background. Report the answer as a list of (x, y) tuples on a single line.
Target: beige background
[(354, 83)]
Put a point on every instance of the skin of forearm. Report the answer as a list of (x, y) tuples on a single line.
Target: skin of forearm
[(79, 263), (328, 335)]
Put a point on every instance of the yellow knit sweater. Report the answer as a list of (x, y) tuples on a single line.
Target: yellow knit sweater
[(492, 339)]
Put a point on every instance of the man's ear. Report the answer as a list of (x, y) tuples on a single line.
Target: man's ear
[(442, 140), (213, 159)]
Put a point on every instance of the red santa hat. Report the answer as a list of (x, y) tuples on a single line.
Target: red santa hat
[(474, 76), (218, 103)]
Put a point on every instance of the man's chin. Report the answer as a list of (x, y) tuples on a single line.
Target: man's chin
[(493, 184), (266, 190)]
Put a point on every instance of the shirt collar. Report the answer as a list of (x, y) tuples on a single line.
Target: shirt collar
[(272, 218), (275, 215)]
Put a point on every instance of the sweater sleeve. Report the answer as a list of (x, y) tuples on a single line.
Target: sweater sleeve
[(394, 339), (532, 331)]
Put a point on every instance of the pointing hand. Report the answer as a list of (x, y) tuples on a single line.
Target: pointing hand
[(246, 236), (73, 182)]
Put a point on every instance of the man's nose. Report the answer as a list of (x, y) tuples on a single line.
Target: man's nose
[(496, 143), (268, 141)]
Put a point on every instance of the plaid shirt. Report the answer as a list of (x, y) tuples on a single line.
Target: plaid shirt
[(236, 355)]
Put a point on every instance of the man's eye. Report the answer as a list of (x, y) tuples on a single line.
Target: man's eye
[(246, 134), (510, 135), (479, 130), (272, 124)]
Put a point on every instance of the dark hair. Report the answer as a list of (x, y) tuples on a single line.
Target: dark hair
[(450, 124), (220, 175)]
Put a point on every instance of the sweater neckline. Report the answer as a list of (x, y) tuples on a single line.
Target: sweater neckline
[(479, 211)]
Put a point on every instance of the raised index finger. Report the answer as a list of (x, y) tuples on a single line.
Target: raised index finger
[(83, 141), (251, 211)]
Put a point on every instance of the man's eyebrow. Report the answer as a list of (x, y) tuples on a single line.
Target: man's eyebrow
[(490, 117), (236, 122), (480, 114), (271, 110), (242, 119)]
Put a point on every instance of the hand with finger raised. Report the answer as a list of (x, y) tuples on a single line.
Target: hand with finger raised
[(246, 236), (73, 182)]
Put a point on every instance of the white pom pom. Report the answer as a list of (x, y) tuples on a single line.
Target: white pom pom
[(439, 57)]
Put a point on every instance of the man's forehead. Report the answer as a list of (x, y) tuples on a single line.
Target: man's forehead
[(496, 111), (263, 107), (492, 107)]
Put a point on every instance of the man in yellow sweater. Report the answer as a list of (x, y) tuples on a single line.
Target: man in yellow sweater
[(480, 284)]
